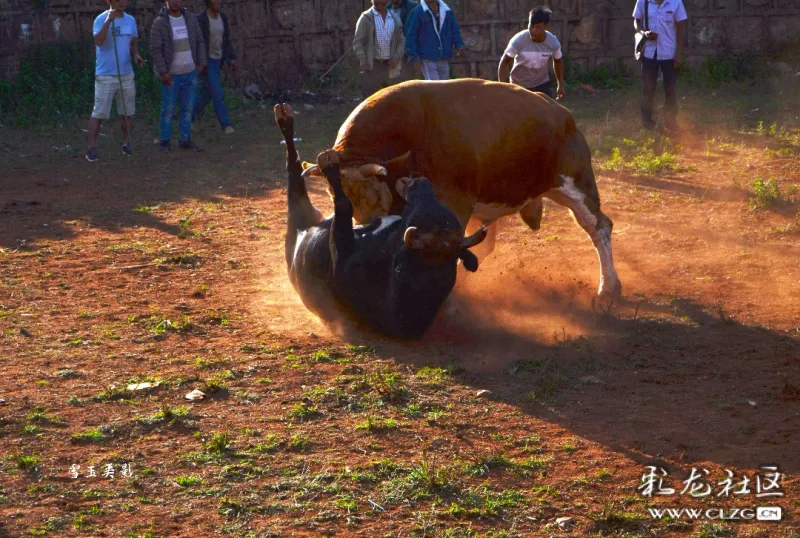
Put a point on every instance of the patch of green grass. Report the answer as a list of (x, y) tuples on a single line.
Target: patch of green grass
[(26, 463), (298, 443), (38, 415), (217, 382), (649, 157), (270, 443), (188, 481), (482, 502), (304, 411), (714, 530), (485, 463), (374, 424), (433, 375), (218, 445), (90, 436), (166, 414), (765, 193), (613, 516)]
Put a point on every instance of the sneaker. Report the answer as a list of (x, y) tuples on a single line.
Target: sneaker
[(228, 130), (92, 155), (188, 144), (165, 146), (127, 149)]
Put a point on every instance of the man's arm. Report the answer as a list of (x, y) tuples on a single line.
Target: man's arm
[(135, 52), (458, 41), (558, 67), (412, 39), (681, 28), (100, 37), (358, 43), (202, 61), (503, 70)]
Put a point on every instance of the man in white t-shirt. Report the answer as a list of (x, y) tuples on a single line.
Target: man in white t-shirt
[(666, 28), (531, 51)]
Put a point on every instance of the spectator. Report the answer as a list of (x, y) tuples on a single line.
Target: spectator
[(663, 50), (219, 49), (531, 51), (431, 36), (402, 8), (379, 45), (179, 53), (114, 73)]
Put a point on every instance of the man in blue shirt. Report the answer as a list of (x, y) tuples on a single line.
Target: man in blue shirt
[(665, 32), (115, 39), (432, 35)]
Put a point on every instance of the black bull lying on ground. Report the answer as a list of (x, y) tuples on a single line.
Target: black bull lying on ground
[(393, 274)]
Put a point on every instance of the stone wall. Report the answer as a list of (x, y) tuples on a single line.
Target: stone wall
[(283, 42)]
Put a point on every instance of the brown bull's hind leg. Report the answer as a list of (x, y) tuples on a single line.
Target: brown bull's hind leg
[(585, 207), (487, 245), (531, 213)]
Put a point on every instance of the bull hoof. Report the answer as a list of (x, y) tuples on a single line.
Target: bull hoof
[(284, 116), (610, 292), (327, 158)]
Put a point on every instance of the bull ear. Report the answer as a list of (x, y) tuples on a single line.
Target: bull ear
[(409, 238), (469, 260), (402, 187), (474, 239)]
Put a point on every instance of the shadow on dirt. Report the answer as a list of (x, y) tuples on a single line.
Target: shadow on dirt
[(678, 380)]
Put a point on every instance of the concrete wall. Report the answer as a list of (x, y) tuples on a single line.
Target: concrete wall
[(282, 42)]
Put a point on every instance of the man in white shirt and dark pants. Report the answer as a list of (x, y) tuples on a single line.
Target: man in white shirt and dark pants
[(531, 51), (663, 50)]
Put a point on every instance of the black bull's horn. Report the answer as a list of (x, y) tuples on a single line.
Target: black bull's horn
[(410, 239)]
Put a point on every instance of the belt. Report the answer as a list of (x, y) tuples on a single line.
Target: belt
[(381, 61)]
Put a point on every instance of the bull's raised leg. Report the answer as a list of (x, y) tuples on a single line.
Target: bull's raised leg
[(302, 214), (342, 241), (531, 213), (585, 207)]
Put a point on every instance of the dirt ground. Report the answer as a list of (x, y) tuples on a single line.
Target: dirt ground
[(169, 269)]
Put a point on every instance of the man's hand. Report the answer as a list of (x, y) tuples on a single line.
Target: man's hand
[(650, 36), (460, 51), (364, 65), (114, 14), (677, 61), (201, 69), (233, 65), (139, 61), (166, 79), (560, 91), (393, 63)]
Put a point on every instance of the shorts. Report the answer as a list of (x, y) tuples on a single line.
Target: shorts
[(106, 87)]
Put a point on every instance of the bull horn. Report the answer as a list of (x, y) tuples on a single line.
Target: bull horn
[(474, 239), (409, 238), (309, 171), (373, 169)]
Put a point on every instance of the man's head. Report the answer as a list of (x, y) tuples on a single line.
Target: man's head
[(173, 5), (537, 22), (379, 5), (216, 5), (117, 5)]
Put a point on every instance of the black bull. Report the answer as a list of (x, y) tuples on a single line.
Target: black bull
[(393, 274)]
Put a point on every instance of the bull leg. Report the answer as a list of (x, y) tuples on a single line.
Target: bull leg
[(586, 210), (531, 213), (342, 241), (302, 213)]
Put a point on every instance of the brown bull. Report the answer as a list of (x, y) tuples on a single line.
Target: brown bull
[(490, 149)]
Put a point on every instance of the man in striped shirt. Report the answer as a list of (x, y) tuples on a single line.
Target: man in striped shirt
[(379, 45), (178, 51)]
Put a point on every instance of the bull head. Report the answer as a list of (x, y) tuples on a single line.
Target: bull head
[(365, 186)]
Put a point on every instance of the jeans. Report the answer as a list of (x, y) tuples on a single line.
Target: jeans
[(650, 69), (182, 90), (436, 70), (212, 83)]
